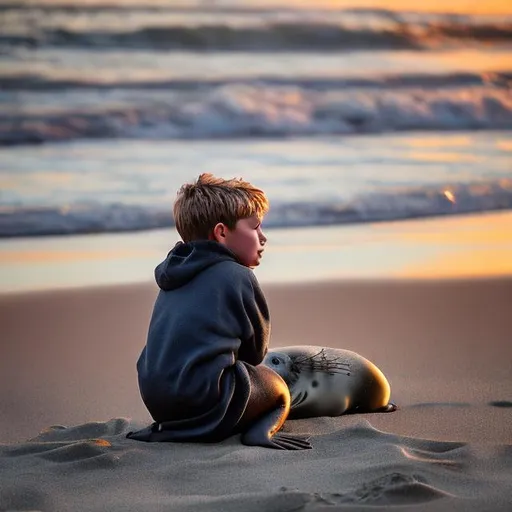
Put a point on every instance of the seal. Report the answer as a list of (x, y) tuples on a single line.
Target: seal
[(326, 381)]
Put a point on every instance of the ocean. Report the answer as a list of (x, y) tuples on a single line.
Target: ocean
[(342, 115)]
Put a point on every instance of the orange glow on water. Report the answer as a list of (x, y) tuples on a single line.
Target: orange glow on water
[(456, 6), (504, 145), (459, 6), (473, 246), (434, 141), (443, 157), (62, 255), (459, 264), (450, 196)]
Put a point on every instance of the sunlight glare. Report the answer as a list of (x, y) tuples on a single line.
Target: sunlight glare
[(450, 196)]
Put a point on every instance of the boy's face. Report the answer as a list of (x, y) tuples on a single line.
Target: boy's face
[(246, 241)]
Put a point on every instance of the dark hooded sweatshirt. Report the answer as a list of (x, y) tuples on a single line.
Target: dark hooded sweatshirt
[(210, 326)]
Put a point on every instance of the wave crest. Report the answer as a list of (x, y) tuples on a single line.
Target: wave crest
[(40, 82), (443, 199), (252, 110), (273, 36)]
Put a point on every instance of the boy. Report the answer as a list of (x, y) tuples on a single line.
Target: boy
[(199, 372)]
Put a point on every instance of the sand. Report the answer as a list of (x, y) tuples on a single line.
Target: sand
[(68, 396)]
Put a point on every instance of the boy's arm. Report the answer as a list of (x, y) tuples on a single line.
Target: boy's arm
[(253, 314)]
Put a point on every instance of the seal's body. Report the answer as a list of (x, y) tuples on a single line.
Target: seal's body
[(326, 381)]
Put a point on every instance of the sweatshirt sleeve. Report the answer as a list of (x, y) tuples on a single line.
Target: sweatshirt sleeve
[(254, 344)]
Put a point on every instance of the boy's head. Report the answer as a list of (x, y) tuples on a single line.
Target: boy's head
[(228, 211)]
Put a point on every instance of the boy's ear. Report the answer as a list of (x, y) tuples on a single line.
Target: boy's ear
[(219, 232)]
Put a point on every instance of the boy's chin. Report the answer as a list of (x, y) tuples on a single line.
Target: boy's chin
[(252, 263)]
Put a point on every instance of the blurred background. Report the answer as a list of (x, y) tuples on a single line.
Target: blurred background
[(344, 112)]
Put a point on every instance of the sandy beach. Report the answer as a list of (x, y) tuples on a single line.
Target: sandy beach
[(381, 134), (69, 395)]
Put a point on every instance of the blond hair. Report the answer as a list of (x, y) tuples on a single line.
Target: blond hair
[(201, 205)]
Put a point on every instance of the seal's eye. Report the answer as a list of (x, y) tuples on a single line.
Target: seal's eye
[(275, 361)]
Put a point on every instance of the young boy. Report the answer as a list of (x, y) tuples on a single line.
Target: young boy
[(199, 373)]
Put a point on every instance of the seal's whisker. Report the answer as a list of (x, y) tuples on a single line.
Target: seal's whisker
[(320, 362)]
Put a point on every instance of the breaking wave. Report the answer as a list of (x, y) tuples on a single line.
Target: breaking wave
[(251, 110), (443, 199)]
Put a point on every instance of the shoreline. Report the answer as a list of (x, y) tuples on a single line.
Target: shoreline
[(465, 246)]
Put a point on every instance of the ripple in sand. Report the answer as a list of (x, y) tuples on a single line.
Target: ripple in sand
[(395, 489), (391, 489), (449, 459), (292, 500), (75, 451), (364, 430), (113, 427), (87, 454)]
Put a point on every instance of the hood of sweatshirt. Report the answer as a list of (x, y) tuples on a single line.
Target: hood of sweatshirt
[(186, 260)]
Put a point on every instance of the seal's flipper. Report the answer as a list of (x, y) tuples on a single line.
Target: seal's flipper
[(391, 407), (260, 434), (284, 441)]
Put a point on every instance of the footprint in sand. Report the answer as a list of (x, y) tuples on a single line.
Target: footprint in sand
[(392, 489)]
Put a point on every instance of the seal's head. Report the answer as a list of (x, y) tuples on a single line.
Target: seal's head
[(283, 365), (296, 370)]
